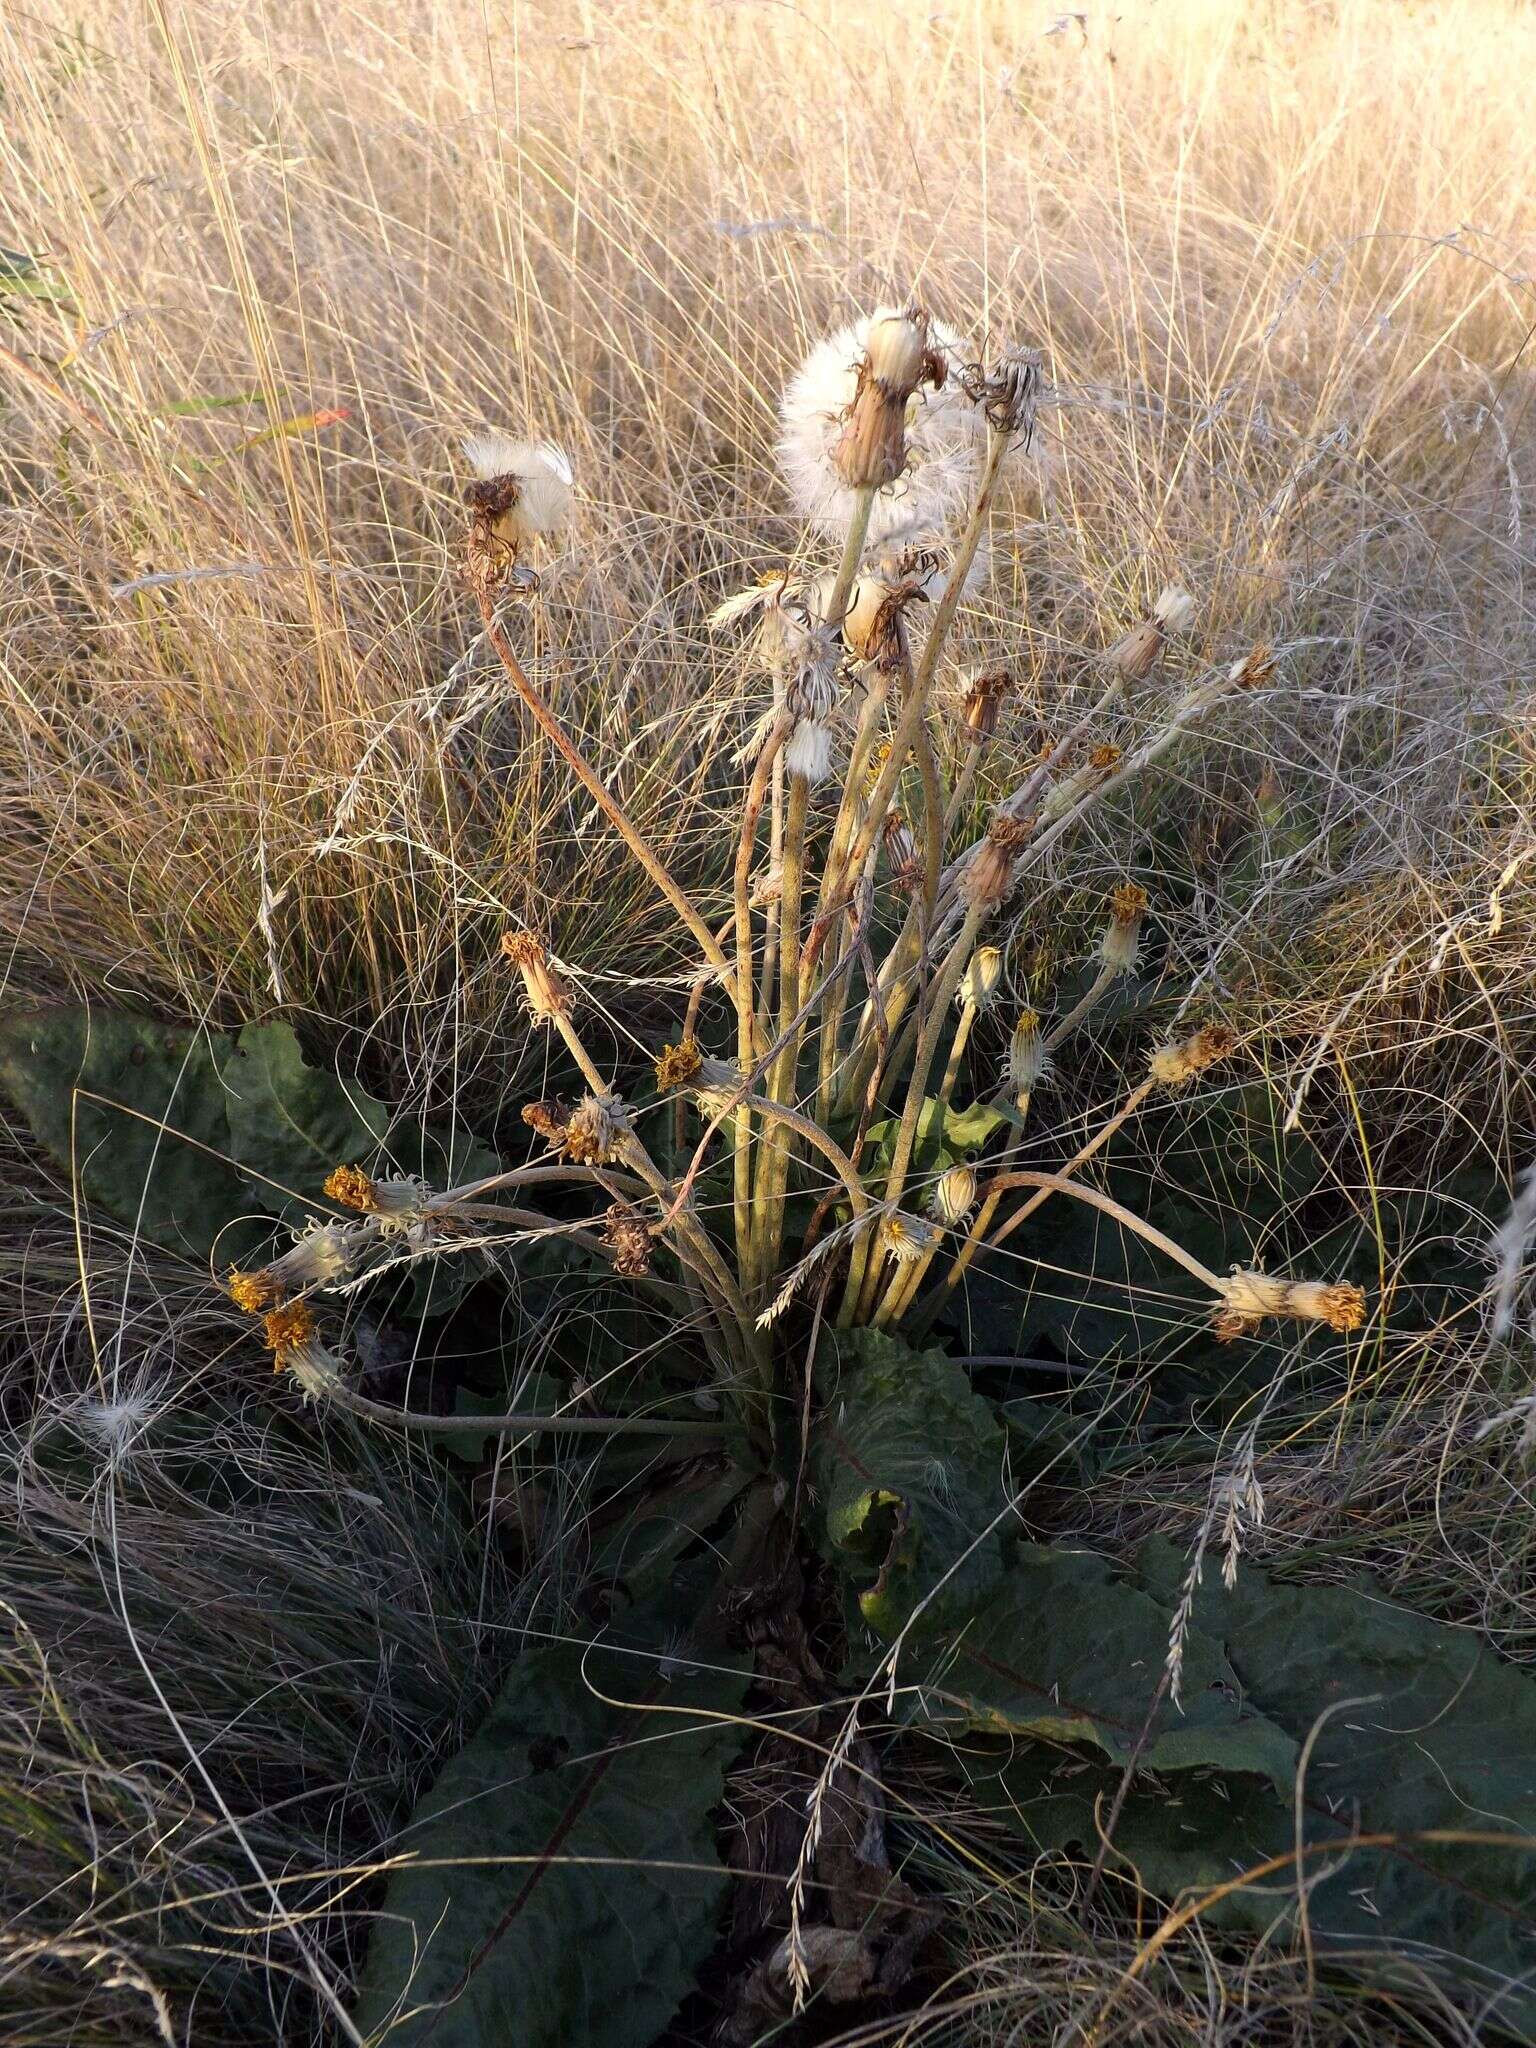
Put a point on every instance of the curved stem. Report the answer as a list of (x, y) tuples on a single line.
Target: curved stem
[(521, 1425)]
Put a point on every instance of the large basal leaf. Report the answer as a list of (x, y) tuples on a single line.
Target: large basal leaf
[(944, 1136), (145, 1135), (566, 1886), (1067, 1650), (290, 1123), (908, 1462), (1418, 1727)]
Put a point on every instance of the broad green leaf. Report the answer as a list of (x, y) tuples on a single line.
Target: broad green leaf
[(291, 1123), (1066, 1650), (565, 1885), (944, 1135), (146, 1133), (908, 1462)]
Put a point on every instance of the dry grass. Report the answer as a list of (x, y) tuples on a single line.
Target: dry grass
[(1278, 261)]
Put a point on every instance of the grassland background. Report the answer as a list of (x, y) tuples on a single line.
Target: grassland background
[(1278, 259)]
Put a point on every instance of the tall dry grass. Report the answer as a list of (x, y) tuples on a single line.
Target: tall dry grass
[(253, 756)]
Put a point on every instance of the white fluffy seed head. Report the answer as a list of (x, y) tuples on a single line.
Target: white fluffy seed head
[(943, 436), (541, 471), (809, 751), (1175, 609)]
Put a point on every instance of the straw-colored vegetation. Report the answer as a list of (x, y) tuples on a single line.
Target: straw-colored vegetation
[(916, 1362)]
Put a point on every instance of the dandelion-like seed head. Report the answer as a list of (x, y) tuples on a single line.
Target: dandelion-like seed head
[(546, 994), (874, 625), (521, 490), (809, 752), (954, 1196), (934, 426), (1174, 611), (1174, 1065), (979, 983)]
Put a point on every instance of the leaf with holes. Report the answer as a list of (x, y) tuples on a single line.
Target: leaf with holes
[(565, 1884)]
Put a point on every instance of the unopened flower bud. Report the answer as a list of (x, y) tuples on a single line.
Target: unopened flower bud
[(979, 983), (954, 1196)]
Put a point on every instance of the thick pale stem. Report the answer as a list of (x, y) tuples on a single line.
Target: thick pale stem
[(773, 1169)]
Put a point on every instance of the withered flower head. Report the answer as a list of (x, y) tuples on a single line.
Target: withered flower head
[(546, 993), (1252, 1295), (628, 1237), (1254, 671), (1028, 1063), (521, 489), (598, 1132), (296, 1348), (677, 1065), (548, 1119), (251, 1292), (1136, 655), (985, 880), (1008, 393), (982, 700), (874, 625), (979, 983), (810, 751), (901, 852), (1173, 1065), (320, 1256)]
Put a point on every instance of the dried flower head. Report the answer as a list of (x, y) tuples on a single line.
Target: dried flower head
[(598, 1132), (1008, 392), (1120, 947), (677, 1065), (932, 486), (546, 993), (1174, 1065), (402, 1205), (1252, 1295), (548, 1118), (813, 693), (628, 1237), (1136, 655), (901, 852), (286, 1328), (905, 1237), (874, 625), (1254, 671), (351, 1188), (979, 983), (982, 700), (871, 449), (809, 752), (767, 885), (984, 882), (719, 1084), (1071, 790), (1028, 1062), (954, 1196), (521, 489)]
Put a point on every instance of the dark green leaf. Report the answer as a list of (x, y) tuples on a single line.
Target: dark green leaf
[(908, 1462), (154, 1151), (290, 1123), (566, 1885), (944, 1136), (1067, 1650)]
